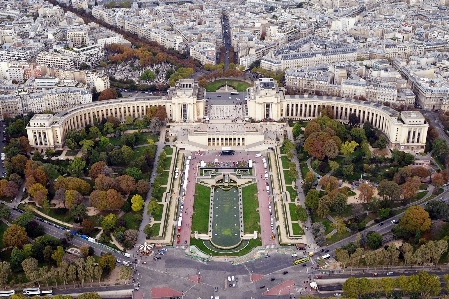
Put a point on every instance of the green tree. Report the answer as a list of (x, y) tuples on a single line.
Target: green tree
[(153, 207), (89, 296), (5, 271), (58, 254), (137, 203), (351, 287), (148, 230), (348, 147), (17, 257), (107, 262), (296, 130), (389, 190), (312, 199), (415, 218), (374, 240), (148, 75), (109, 222), (301, 213), (29, 266), (76, 167)]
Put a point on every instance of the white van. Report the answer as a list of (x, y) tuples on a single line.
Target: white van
[(265, 165), (268, 188)]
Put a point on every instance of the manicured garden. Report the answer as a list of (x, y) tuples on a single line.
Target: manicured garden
[(292, 192), (253, 243), (240, 86), (251, 217), (201, 205), (297, 229)]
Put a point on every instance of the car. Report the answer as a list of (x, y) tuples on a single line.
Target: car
[(304, 265), (394, 221), (374, 274), (262, 287), (216, 289), (144, 262), (285, 272), (337, 295), (327, 250), (389, 273), (380, 224), (294, 255), (319, 276), (272, 279)]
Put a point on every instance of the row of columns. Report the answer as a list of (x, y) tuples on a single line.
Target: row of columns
[(414, 135), (40, 138), (226, 141), (301, 110)]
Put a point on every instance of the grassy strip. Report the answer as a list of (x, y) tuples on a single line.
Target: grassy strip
[(287, 178), (253, 243), (297, 229), (157, 215), (201, 205), (285, 162), (293, 193), (250, 206), (304, 169), (156, 228), (168, 150), (293, 215), (238, 85), (164, 177)]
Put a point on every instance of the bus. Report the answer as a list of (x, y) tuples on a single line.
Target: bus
[(48, 292), (301, 260), (7, 293), (234, 93), (31, 291)]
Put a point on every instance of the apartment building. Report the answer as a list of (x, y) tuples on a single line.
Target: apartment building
[(77, 37), (55, 60), (204, 52)]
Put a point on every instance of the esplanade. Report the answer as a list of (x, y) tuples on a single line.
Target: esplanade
[(266, 103)]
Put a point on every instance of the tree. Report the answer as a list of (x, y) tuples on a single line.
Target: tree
[(366, 192), (153, 206), (5, 271), (29, 266), (11, 189), (389, 190), (353, 120), (148, 75), (96, 169), (411, 187), (142, 187), (429, 284), (18, 164), (127, 154), (309, 180), (34, 229), (108, 94), (134, 172), (76, 167), (301, 213), (437, 209), (89, 296), (72, 197), (5, 212), (126, 273), (339, 203), (312, 199), (109, 221), (415, 218), (107, 262), (137, 203), (87, 226), (374, 240), (77, 212), (348, 147), (126, 184), (148, 230), (438, 179), (311, 127), (115, 200), (130, 237), (15, 236), (58, 254)]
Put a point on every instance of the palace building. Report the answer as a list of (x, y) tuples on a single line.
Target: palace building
[(266, 103)]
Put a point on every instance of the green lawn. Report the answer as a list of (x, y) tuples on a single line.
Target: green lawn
[(164, 177), (337, 237), (157, 215), (166, 163), (138, 151), (132, 220), (297, 229), (304, 169), (293, 215), (251, 217), (156, 228), (60, 214), (3, 227), (292, 192), (287, 178), (285, 162), (252, 244), (201, 207), (168, 150), (240, 86), (71, 153)]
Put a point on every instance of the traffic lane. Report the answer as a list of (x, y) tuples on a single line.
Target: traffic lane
[(382, 229), (51, 230), (224, 98)]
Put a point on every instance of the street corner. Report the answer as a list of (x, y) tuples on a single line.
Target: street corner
[(164, 292), (284, 288), (256, 277)]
